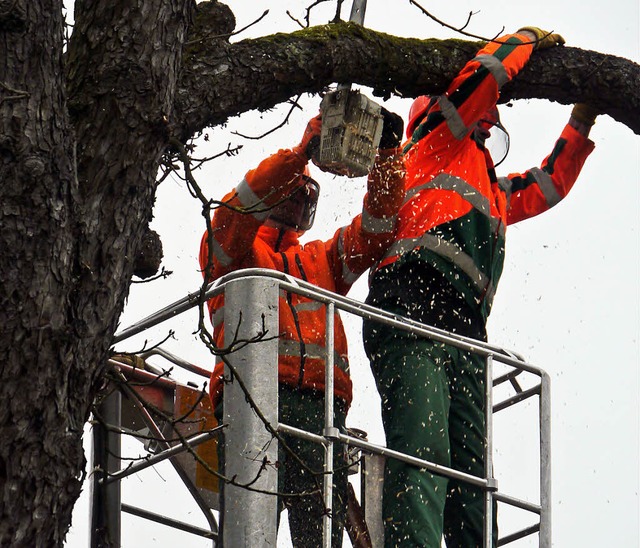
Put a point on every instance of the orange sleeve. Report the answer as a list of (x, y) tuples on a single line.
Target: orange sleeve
[(237, 219), (356, 247), (539, 189), (472, 92)]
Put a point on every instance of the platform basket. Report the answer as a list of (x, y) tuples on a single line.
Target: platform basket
[(351, 131)]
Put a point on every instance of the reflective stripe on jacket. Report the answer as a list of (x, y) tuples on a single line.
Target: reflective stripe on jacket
[(456, 209), (240, 240)]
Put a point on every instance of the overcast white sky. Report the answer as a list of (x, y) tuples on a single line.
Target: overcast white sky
[(568, 300)]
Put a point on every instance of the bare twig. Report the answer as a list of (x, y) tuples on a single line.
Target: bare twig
[(465, 33), (294, 105), (228, 35), (163, 274)]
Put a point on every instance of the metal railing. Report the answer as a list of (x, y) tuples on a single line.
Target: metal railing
[(251, 314), (106, 506)]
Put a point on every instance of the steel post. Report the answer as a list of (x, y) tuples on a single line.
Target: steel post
[(545, 461), (329, 430), (358, 9), (105, 508), (488, 453), (249, 515)]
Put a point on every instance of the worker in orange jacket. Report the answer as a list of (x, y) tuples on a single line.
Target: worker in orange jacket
[(268, 212), (443, 270)]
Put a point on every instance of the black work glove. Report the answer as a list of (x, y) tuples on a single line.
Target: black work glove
[(392, 129)]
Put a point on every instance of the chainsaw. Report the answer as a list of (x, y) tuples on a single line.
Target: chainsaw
[(351, 124)]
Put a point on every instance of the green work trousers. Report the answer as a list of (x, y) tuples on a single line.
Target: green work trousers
[(305, 410), (300, 477), (432, 398)]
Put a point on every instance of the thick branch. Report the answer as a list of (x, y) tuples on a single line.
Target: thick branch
[(221, 79)]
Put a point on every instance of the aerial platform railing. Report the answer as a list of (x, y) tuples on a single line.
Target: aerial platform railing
[(251, 315), (139, 404)]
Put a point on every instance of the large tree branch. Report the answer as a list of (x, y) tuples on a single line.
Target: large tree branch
[(222, 79)]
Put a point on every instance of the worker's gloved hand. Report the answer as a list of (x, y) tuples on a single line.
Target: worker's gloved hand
[(310, 144), (544, 39), (584, 113), (392, 129)]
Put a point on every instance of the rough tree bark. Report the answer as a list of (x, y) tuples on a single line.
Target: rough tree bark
[(76, 195), (230, 78), (81, 138)]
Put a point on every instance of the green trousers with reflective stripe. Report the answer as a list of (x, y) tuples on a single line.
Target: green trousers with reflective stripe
[(432, 398)]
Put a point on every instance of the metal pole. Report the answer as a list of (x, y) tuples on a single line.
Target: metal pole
[(414, 461), (193, 441), (105, 498), (329, 430), (545, 461), (517, 398), (488, 453), (249, 517), (358, 9), (170, 522), (156, 431)]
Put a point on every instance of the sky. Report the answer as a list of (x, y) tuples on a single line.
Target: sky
[(568, 300)]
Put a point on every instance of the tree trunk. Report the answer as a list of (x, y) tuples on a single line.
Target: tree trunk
[(41, 459), (76, 196)]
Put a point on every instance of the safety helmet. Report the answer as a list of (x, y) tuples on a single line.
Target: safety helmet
[(490, 126), (417, 111), (298, 210)]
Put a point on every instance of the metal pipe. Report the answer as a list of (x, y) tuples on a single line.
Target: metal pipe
[(249, 517), (545, 461), (525, 394), (140, 375), (518, 503), (193, 441), (415, 461), (488, 453), (368, 312), (158, 518), (106, 522), (519, 535), (303, 434), (411, 326), (358, 9), (288, 283), (329, 430), (187, 366), (166, 313), (385, 452), (506, 377)]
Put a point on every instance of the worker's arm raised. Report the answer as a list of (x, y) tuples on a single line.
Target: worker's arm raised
[(452, 116), (236, 221), (537, 190), (356, 247)]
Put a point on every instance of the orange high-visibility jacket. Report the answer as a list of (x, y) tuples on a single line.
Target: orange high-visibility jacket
[(456, 209), (240, 240)]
